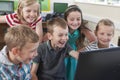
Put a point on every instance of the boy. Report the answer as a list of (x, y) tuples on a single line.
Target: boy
[(21, 48), (49, 64), (104, 32)]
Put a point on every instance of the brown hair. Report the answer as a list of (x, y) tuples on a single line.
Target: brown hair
[(24, 3), (81, 39), (18, 36), (56, 22), (106, 22)]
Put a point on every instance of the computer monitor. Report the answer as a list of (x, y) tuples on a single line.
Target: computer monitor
[(6, 7), (60, 7), (101, 64)]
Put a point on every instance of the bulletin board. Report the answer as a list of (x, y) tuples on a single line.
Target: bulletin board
[(45, 5), (15, 4)]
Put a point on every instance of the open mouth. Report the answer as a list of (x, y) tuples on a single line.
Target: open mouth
[(62, 42)]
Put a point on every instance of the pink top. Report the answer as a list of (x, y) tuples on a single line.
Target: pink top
[(13, 20)]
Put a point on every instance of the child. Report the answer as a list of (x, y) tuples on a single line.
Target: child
[(49, 64), (77, 34), (104, 32), (21, 48), (28, 14)]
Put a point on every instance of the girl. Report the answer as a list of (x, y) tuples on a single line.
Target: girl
[(104, 32), (28, 14), (77, 34)]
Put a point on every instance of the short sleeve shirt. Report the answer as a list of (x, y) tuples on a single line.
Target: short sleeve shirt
[(51, 62), (12, 20)]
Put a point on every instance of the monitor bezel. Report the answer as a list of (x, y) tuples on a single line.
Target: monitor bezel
[(59, 3), (103, 61)]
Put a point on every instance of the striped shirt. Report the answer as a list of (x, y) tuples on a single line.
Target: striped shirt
[(13, 20), (94, 46)]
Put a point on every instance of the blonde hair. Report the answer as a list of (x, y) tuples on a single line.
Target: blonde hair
[(18, 36), (25, 3), (56, 22), (106, 22)]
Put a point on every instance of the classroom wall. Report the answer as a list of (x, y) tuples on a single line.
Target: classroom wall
[(51, 3), (94, 12), (70, 2), (61, 1), (101, 11)]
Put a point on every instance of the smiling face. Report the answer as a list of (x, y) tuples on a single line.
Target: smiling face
[(59, 37), (30, 13), (27, 53), (104, 35), (74, 20)]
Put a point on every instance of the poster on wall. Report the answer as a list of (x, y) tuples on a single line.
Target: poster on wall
[(45, 5), (15, 4)]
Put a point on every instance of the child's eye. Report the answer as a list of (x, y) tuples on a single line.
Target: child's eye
[(66, 34), (60, 35), (72, 19), (102, 33), (79, 19), (33, 50), (28, 11), (109, 34), (35, 10)]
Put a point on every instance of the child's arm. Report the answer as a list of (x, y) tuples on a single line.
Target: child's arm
[(89, 35), (81, 49), (39, 30), (2, 19), (74, 54), (34, 71)]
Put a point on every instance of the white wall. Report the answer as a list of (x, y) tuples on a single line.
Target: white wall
[(93, 13)]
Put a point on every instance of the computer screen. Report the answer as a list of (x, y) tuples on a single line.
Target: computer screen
[(60, 7), (6, 6), (101, 64)]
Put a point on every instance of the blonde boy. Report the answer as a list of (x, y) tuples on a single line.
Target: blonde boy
[(21, 48)]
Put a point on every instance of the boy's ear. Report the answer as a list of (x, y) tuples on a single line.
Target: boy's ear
[(49, 36), (15, 50)]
